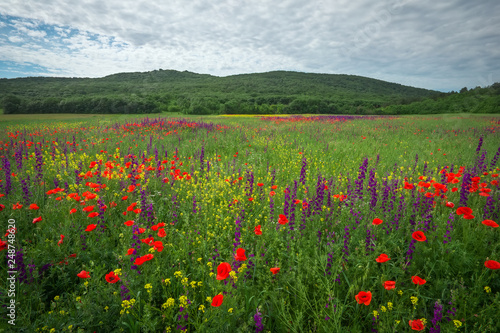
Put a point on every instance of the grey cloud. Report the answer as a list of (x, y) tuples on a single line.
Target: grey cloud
[(431, 44)]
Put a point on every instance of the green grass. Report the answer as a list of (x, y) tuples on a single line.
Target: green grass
[(326, 252)]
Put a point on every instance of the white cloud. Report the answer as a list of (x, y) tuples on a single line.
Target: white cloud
[(423, 43)]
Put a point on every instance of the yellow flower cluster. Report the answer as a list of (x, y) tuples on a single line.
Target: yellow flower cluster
[(126, 305), (169, 303)]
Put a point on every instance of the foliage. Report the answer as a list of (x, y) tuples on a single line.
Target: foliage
[(171, 199)]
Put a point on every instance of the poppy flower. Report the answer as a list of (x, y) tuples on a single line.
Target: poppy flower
[(464, 210), (141, 260), (72, 211), (83, 275), (389, 285), (450, 204), (272, 193), (223, 271), (130, 251), (111, 277), (282, 219), (158, 246), (468, 216), (408, 186), (418, 280), (364, 297), (88, 209), (275, 270), (162, 233), (417, 325), (377, 221), (257, 230), (37, 219), (60, 241), (419, 236), (91, 227), (492, 264), (240, 255), (94, 214), (2, 207), (490, 223), (129, 223), (34, 206), (217, 300), (125, 197), (382, 258), (3, 245)]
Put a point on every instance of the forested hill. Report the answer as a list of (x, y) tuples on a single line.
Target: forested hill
[(192, 93)]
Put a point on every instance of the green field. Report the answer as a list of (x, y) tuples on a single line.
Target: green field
[(138, 224)]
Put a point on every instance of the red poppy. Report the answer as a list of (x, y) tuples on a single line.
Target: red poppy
[(260, 184), (490, 223), (37, 219), (83, 275), (94, 214), (419, 236), (137, 211), (158, 245), (131, 207), (223, 271), (464, 210), (88, 209), (408, 186), (130, 251), (2, 207), (282, 219), (468, 216), (377, 221), (125, 197), (162, 233), (34, 206), (91, 227), (60, 241), (364, 297), (217, 300), (418, 280), (257, 230), (275, 270), (240, 255), (492, 264), (3, 245), (417, 325), (131, 188), (390, 285), (72, 211), (382, 258), (272, 193), (141, 260), (111, 277), (450, 204), (129, 223)]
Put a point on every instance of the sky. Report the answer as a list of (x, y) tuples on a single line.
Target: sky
[(440, 45)]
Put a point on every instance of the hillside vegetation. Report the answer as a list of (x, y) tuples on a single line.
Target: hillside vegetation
[(276, 92)]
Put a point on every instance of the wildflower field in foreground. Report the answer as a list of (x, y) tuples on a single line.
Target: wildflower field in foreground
[(241, 224)]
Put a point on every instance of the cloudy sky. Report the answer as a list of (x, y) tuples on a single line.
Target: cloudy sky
[(442, 45)]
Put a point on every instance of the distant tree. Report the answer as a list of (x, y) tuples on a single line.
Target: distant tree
[(11, 104), (463, 90)]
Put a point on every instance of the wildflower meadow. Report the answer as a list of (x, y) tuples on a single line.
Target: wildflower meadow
[(251, 224)]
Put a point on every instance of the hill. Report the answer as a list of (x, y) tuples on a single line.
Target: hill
[(192, 93)]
